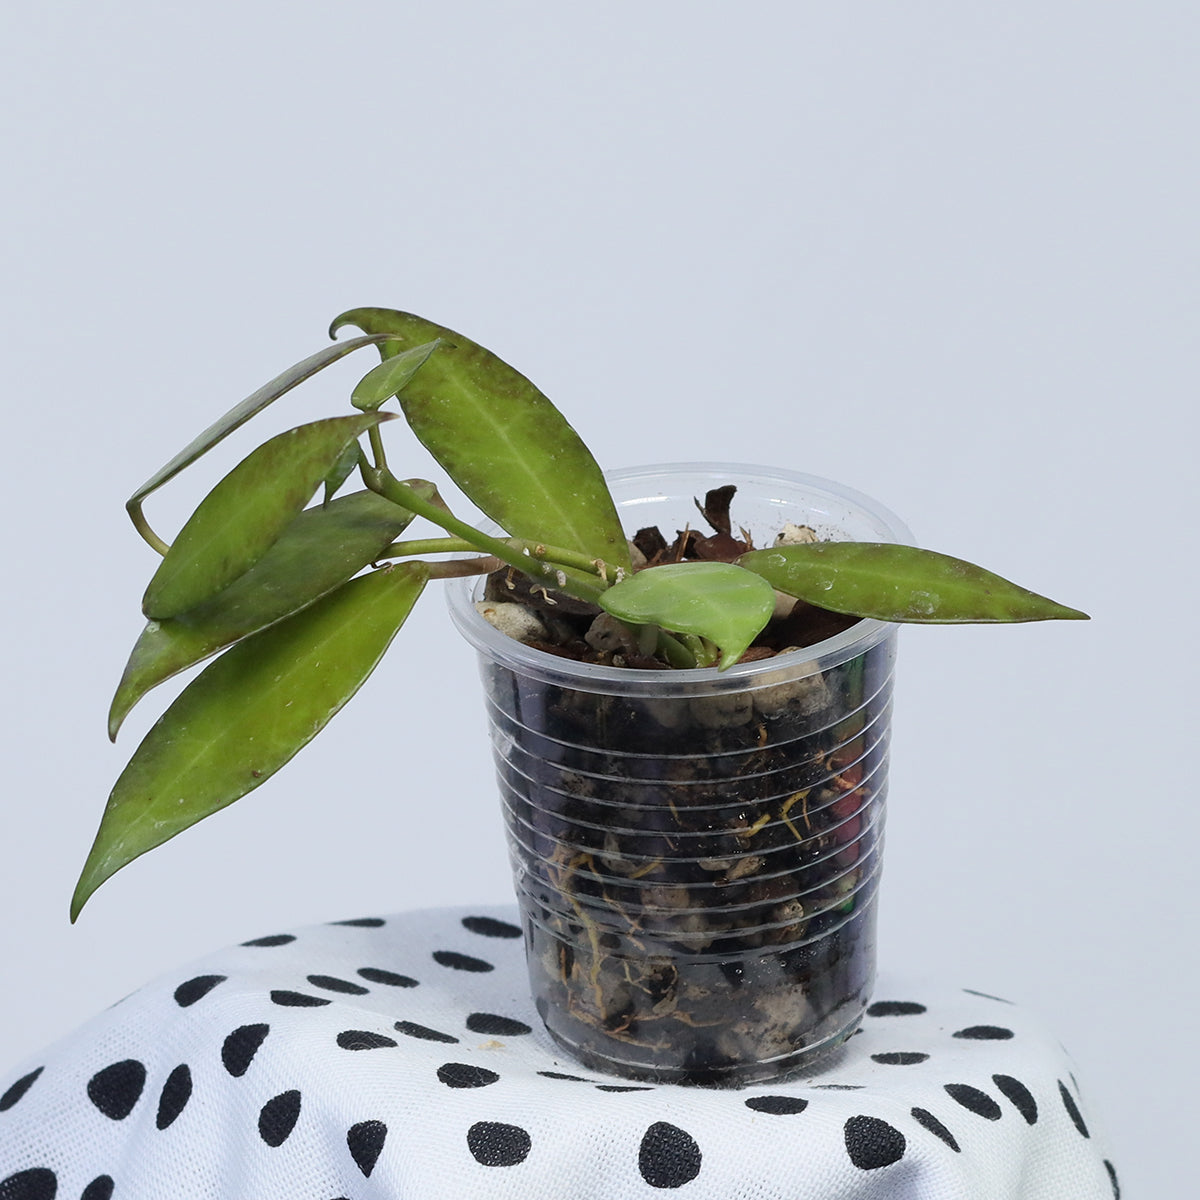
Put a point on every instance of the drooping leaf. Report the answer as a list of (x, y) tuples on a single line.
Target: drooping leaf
[(899, 583), (717, 601), (251, 406), (319, 550), (246, 715), (501, 441), (392, 375), (237, 522)]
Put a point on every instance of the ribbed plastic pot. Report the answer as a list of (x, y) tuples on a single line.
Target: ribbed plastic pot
[(697, 854)]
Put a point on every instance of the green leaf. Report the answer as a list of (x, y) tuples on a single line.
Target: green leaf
[(237, 522), (717, 601), (501, 441), (319, 550), (341, 470), (246, 715), (899, 583), (392, 375), (251, 406)]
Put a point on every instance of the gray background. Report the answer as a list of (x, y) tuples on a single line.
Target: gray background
[(945, 253)]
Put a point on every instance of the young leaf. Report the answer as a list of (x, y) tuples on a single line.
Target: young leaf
[(505, 445), (251, 406), (319, 550), (392, 375), (899, 583), (246, 715), (717, 601), (237, 522)]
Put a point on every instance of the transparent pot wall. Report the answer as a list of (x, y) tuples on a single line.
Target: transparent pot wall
[(697, 854)]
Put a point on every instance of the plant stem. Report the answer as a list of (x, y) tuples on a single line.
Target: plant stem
[(458, 567), (556, 555), (134, 509), (704, 653), (564, 557), (377, 450), (390, 488), (674, 651), (666, 644), (446, 545)]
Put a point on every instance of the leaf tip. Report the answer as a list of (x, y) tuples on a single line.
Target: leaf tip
[(1046, 609), (341, 321), (81, 895), (122, 703)]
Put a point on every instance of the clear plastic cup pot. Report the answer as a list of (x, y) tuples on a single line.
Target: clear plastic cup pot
[(696, 854)]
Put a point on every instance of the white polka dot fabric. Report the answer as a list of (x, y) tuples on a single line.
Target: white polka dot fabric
[(401, 1058)]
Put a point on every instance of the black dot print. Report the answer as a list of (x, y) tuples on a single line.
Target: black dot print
[(278, 1118), (38, 1183), (973, 1100), (186, 994), (365, 1141), (560, 1075), (1072, 1109), (379, 975), (363, 1039), (240, 1047), (621, 1087), (286, 999), (490, 927), (175, 1094), (464, 1075), (461, 962), (668, 1157), (101, 1188), (19, 1089), (1019, 1095), (331, 983), (493, 1144), (495, 1025), (872, 1143), (928, 1121), (839, 1087), (777, 1106), (362, 922), (116, 1089), (273, 939), (1112, 1178), (895, 1008), (412, 1029)]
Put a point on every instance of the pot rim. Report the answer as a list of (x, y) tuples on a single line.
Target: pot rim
[(528, 661)]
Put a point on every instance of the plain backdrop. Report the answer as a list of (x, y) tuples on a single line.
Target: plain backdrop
[(943, 252)]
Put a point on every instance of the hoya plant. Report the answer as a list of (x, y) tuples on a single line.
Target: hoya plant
[(298, 581)]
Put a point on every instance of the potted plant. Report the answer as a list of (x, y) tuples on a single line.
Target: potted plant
[(690, 714)]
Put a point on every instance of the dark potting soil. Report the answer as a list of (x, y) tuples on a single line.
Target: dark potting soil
[(696, 874)]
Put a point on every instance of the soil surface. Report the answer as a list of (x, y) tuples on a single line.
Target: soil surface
[(572, 628)]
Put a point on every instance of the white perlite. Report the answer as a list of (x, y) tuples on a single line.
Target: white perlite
[(512, 619)]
